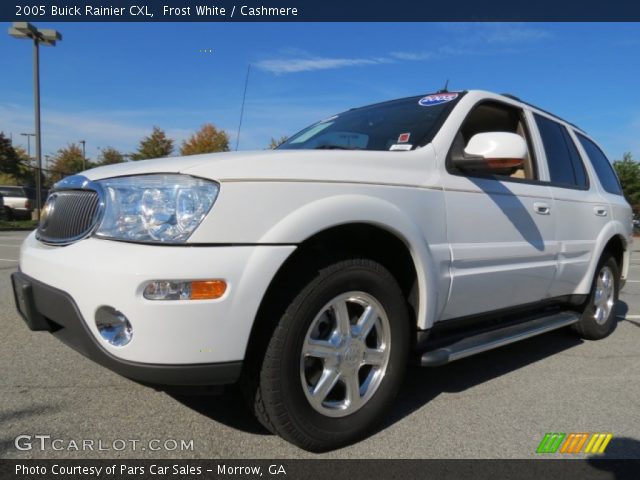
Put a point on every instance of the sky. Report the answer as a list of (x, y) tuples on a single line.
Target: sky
[(110, 83)]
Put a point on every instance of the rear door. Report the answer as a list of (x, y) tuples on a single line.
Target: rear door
[(610, 189), (580, 211)]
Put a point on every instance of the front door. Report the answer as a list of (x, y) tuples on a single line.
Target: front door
[(501, 229)]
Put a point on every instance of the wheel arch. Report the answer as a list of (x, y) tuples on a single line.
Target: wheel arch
[(612, 240), (342, 225)]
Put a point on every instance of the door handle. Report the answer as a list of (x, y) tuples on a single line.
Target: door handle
[(541, 208), (600, 211)]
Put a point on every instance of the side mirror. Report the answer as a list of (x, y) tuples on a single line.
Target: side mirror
[(493, 152)]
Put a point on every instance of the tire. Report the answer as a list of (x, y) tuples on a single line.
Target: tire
[(598, 319), (8, 213), (346, 337)]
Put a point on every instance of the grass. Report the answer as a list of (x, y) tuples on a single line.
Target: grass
[(18, 223)]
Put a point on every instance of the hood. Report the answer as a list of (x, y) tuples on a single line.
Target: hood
[(389, 167)]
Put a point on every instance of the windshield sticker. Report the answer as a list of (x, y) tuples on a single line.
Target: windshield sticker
[(401, 146), (404, 137), (437, 99)]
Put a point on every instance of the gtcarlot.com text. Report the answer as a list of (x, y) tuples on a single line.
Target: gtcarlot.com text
[(27, 442)]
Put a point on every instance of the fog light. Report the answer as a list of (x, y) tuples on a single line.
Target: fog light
[(193, 290), (113, 326)]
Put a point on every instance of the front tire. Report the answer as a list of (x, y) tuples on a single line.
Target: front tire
[(599, 316), (337, 357)]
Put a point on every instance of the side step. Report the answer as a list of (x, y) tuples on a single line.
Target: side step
[(496, 338)]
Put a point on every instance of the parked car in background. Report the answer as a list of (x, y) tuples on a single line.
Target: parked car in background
[(2, 213), (423, 229), (19, 201)]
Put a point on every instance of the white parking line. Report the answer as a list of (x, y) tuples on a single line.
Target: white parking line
[(7, 260), (18, 246), (630, 317)]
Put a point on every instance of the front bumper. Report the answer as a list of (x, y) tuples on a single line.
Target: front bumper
[(69, 284), (45, 308)]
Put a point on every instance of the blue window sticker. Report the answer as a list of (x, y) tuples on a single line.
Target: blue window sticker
[(437, 99)]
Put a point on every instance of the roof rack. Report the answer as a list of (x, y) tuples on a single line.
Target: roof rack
[(513, 97)]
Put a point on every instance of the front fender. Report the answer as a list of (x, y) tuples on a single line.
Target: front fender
[(277, 213), (343, 209)]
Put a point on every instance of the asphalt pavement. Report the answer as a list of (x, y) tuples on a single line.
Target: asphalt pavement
[(498, 404)]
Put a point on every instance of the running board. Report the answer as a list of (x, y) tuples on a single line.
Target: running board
[(496, 338)]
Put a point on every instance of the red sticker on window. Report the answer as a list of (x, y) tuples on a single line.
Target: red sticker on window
[(404, 137)]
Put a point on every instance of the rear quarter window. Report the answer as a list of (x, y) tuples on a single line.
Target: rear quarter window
[(565, 167), (601, 165)]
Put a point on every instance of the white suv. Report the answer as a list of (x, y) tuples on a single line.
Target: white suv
[(428, 228)]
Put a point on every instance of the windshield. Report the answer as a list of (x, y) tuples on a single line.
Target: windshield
[(395, 125)]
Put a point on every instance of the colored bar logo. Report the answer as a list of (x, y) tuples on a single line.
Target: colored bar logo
[(596, 443)]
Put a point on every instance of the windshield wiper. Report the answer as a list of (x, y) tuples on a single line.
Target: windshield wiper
[(336, 147)]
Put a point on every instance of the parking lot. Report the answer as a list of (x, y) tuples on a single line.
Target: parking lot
[(496, 405)]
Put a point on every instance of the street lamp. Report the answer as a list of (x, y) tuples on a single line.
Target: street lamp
[(84, 156), (28, 135), (47, 37)]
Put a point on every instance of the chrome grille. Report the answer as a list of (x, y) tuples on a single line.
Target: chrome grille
[(68, 215)]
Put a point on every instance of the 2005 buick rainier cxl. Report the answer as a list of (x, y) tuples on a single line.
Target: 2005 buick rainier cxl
[(426, 229)]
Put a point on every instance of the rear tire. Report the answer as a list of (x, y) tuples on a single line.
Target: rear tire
[(599, 316), (336, 359)]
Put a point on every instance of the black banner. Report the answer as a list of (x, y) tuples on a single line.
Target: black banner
[(316, 11), (321, 469)]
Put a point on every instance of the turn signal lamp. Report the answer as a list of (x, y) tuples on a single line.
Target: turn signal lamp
[(185, 290)]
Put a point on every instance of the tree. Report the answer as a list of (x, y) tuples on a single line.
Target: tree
[(275, 143), (628, 171), (109, 156), (206, 140), (26, 169), (67, 161), (156, 145), (8, 157)]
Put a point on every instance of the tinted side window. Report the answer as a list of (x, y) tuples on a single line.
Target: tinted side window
[(565, 166), (578, 166), (11, 192), (601, 165)]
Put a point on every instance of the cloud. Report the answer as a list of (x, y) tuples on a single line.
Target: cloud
[(120, 129), (123, 129), (295, 65), (509, 34), (468, 39), (412, 56)]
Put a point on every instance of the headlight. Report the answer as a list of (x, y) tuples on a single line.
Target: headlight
[(162, 208)]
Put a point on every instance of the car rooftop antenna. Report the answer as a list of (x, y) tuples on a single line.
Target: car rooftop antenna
[(446, 85), (244, 97)]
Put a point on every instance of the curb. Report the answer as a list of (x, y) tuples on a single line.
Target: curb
[(16, 229)]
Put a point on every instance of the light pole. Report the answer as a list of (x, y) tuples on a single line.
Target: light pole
[(84, 156), (47, 37), (28, 135)]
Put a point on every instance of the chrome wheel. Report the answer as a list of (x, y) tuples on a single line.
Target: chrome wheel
[(345, 354), (604, 296)]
